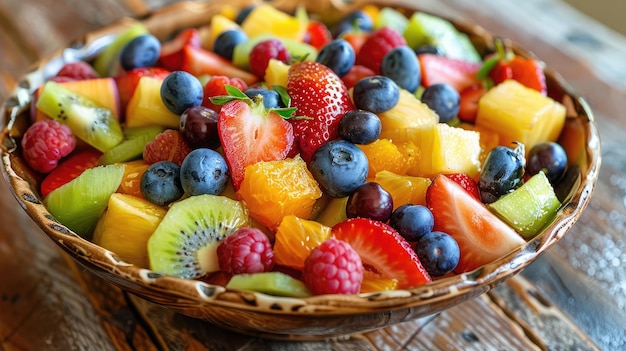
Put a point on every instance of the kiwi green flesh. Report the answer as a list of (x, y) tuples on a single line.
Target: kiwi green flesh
[(135, 140), (530, 207), (90, 122), (191, 228), (79, 204), (271, 283)]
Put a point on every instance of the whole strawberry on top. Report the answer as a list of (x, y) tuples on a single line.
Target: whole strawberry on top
[(319, 94)]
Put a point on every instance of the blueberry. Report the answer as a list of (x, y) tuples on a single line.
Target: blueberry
[(376, 94), (502, 172), (243, 14), (359, 127), (548, 157), (443, 99), (142, 51), (271, 98), (438, 252), (412, 221), (338, 55), (160, 183), (429, 49), (225, 43), (204, 171), (402, 66), (355, 20), (339, 167), (181, 90)]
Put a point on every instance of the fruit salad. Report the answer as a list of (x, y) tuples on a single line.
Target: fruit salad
[(279, 153)]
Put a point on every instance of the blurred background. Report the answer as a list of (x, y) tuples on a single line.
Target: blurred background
[(609, 12)]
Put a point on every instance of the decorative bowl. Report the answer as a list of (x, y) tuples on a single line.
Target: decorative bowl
[(280, 317)]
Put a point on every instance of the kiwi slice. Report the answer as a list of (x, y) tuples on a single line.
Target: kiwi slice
[(185, 242), (107, 62), (135, 140), (90, 122), (79, 204), (271, 283), (528, 208)]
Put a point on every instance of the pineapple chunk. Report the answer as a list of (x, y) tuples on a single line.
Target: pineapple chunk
[(147, 108), (276, 73), (126, 226), (409, 112), (520, 114), (219, 24), (266, 19), (445, 149)]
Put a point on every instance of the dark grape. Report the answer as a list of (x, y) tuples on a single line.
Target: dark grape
[(371, 201), (548, 157), (198, 126), (443, 99), (359, 127), (412, 221), (502, 172)]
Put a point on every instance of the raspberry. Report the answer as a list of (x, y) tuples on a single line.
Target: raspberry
[(78, 70), (333, 267), (169, 145), (45, 143), (466, 182), (377, 46), (247, 250), (215, 87), (263, 52)]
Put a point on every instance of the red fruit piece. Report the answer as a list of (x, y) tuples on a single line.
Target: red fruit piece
[(45, 142), (317, 34), (78, 70), (377, 45), (333, 267), (318, 93), (466, 182), (385, 254), (460, 74), (356, 73), (172, 52), (356, 39), (247, 250), (169, 145), (216, 87), (199, 61), (468, 106), (127, 82), (263, 52), (481, 235), (251, 134), (526, 71), (69, 169)]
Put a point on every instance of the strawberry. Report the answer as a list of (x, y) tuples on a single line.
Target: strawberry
[(168, 145), (249, 133), (319, 94), (377, 45), (216, 86), (317, 34), (460, 74), (481, 235), (172, 52), (384, 253), (355, 74), (69, 169), (199, 61), (466, 182), (77, 70), (356, 39), (127, 82), (526, 71), (468, 106)]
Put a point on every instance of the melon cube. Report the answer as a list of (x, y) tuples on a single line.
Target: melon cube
[(520, 114)]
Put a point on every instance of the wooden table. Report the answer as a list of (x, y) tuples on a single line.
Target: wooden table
[(573, 298)]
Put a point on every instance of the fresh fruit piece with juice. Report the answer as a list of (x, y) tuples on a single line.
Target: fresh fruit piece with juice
[(271, 283), (70, 168), (296, 238), (146, 106)]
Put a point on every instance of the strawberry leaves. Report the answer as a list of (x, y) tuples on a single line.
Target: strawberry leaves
[(234, 94)]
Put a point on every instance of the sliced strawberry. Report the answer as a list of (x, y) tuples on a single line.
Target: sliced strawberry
[(172, 52), (466, 182), (356, 73), (198, 61), (69, 169), (216, 87), (377, 45), (318, 93), (481, 235), (468, 106), (317, 34), (127, 82), (251, 134), (385, 254), (460, 74), (530, 73)]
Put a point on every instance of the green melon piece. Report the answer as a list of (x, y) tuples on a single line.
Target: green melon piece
[(185, 242), (90, 122), (79, 203), (135, 140), (391, 18), (271, 283), (530, 207), (107, 62)]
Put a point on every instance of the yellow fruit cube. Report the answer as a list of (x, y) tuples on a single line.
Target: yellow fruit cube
[(147, 108), (409, 112), (403, 189), (520, 114), (219, 24), (276, 73), (266, 19)]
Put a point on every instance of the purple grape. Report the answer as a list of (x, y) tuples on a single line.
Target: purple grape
[(198, 125), (548, 157), (371, 201)]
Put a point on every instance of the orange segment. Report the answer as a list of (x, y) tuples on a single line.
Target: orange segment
[(372, 284), (131, 181), (296, 238), (404, 189), (383, 154)]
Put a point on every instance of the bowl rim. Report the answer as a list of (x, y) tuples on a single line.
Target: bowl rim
[(154, 286)]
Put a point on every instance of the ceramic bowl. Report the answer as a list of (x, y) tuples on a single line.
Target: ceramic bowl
[(278, 317)]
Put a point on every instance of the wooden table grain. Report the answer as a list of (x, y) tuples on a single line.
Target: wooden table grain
[(573, 298)]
